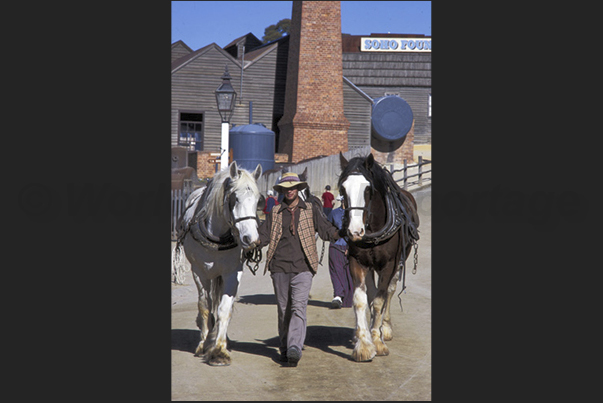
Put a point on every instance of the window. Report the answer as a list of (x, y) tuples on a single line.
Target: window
[(429, 106), (191, 131)]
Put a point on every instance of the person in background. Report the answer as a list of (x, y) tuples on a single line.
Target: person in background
[(339, 266), (292, 258), (327, 200), (270, 202)]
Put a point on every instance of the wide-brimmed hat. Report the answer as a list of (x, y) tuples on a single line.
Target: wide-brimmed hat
[(289, 180)]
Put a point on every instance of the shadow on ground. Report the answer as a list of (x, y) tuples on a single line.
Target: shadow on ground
[(322, 304), (320, 337), (185, 340), (258, 299), (270, 299), (326, 337)]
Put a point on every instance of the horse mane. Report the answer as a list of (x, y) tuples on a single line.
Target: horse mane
[(216, 188), (377, 175)]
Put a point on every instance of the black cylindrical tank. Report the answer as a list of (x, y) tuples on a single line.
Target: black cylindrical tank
[(391, 119), (251, 145)]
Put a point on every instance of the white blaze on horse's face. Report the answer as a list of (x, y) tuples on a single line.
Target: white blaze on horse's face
[(246, 206), (355, 186)]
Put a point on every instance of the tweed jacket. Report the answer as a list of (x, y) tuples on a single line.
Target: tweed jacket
[(310, 222)]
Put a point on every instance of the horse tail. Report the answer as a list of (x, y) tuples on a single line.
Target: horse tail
[(179, 267)]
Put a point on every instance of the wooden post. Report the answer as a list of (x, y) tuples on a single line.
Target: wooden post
[(174, 212), (420, 170)]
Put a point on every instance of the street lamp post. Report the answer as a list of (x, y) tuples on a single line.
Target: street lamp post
[(225, 97)]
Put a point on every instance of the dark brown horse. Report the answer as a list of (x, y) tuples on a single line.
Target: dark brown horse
[(381, 221)]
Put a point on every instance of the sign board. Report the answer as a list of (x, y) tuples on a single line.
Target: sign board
[(212, 161), (395, 44)]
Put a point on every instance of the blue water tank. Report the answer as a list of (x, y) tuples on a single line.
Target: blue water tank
[(391, 119), (251, 145)]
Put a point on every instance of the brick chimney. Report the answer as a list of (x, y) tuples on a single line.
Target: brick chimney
[(313, 122)]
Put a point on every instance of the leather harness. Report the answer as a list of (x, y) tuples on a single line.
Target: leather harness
[(198, 225), (396, 215)]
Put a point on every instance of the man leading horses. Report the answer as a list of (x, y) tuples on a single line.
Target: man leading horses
[(292, 258)]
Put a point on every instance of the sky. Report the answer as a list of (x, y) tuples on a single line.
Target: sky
[(199, 23)]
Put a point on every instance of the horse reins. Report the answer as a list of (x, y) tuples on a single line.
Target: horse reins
[(254, 256)]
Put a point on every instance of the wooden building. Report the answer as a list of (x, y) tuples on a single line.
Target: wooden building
[(180, 49), (258, 74)]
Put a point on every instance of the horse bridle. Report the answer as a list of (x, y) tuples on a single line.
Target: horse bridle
[(251, 256), (395, 213), (230, 200)]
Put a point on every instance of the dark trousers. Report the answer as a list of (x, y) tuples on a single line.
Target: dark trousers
[(292, 291), (339, 269)]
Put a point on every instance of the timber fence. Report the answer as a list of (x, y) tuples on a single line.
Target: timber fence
[(421, 173), (179, 197)]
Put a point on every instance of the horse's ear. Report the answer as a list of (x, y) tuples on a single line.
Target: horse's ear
[(370, 160), (233, 170), (342, 161), (258, 172), (304, 175)]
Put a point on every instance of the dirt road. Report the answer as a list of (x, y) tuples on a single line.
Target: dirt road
[(325, 371)]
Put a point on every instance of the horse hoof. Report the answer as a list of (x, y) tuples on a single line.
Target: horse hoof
[(218, 359), (363, 356), (219, 363), (359, 359), (381, 351)]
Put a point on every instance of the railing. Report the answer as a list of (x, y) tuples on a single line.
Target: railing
[(420, 179), (179, 197)]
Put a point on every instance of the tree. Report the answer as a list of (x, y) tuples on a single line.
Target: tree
[(274, 32)]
